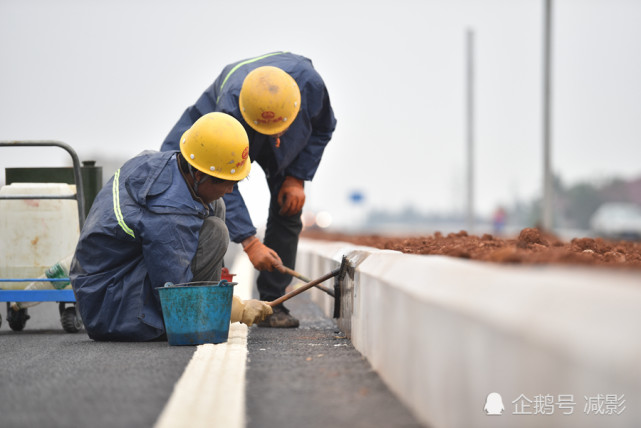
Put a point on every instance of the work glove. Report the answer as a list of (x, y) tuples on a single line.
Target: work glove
[(291, 196), (249, 311), (261, 256)]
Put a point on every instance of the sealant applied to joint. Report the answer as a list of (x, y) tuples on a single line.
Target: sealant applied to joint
[(344, 289), (338, 280)]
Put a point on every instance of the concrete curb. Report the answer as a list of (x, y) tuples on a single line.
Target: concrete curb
[(444, 333)]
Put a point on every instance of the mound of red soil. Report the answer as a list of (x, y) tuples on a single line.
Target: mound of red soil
[(530, 247)]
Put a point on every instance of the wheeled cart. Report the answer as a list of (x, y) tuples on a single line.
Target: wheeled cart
[(29, 229)]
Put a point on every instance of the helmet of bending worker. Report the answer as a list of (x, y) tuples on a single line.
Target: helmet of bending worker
[(216, 147), (269, 100)]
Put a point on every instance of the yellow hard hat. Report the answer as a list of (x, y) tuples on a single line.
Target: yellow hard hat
[(217, 145), (269, 100)]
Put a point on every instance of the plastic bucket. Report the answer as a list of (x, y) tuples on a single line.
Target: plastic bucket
[(197, 314)]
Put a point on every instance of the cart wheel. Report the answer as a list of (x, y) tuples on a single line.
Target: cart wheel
[(17, 319), (70, 320)]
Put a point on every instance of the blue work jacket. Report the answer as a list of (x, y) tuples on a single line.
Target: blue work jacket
[(141, 232), (301, 146)]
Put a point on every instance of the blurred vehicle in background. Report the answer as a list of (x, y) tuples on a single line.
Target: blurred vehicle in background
[(617, 221)]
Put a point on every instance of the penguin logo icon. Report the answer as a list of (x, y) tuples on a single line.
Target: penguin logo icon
[(494, 404)]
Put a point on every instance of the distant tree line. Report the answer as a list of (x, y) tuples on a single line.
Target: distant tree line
[(575, 204)]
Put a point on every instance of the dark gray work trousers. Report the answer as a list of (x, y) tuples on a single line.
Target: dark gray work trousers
[(281, 235), (213, 241)]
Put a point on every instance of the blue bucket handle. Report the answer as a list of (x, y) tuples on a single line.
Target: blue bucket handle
[(221, 283)]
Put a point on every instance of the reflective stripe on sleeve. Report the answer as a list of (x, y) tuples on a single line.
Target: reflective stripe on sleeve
[(115, 190)]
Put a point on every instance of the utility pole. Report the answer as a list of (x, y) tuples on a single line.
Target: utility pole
[(548, 190), (469, 77)]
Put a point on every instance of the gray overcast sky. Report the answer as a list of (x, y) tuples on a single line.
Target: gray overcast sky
[(111, 78)]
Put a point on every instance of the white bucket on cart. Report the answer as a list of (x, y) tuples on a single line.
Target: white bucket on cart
[(35, 233)]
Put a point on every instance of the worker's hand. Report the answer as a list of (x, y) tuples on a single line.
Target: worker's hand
[(249, 311), (261, 256), (291, 196)]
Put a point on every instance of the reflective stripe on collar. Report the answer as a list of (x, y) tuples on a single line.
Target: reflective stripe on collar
[(240, 64), (115, 190)]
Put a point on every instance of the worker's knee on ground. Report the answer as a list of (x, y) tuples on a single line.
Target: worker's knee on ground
[(220, 208), (214, 232), (213, 241)]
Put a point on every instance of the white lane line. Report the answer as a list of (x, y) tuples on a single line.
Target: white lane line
[(211, 391)]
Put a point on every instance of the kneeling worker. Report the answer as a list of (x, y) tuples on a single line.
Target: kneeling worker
[(160, 218)]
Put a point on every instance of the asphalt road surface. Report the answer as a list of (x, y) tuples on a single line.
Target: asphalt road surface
[(51, 378), (311, 376)]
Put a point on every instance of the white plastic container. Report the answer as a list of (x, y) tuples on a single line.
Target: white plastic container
[(35, 233)]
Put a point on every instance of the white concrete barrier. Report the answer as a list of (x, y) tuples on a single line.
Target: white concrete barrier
[(560, 345)]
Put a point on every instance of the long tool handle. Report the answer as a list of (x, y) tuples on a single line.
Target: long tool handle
[(285, 269), (304, 288), (288, 271)]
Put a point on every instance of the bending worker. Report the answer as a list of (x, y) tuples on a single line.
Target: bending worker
[(284, 106), (160, 219)]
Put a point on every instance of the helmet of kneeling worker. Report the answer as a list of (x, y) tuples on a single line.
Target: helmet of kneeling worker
[(217, 145), (269, 100)]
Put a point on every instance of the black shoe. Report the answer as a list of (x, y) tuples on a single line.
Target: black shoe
[(281, 318)]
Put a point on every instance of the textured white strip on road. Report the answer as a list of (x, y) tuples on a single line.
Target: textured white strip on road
[(211, 391)]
